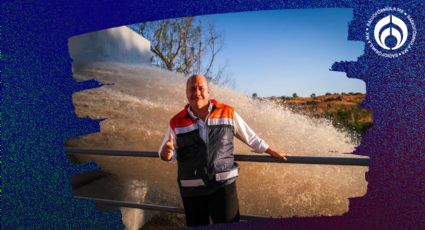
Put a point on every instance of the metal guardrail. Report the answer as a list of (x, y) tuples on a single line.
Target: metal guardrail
[(353, 161), (250, 158), (154, 207)]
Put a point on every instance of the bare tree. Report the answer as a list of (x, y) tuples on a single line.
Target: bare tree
[(185, 45)]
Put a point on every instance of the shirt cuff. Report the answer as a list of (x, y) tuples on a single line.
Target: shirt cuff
[(262, 147)]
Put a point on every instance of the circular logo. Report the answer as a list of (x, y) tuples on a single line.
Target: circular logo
[(390, 32)]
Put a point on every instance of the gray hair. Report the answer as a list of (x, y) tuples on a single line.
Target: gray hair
[(197, 75)]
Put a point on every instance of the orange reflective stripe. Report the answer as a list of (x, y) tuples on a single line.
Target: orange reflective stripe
[(222, 114), (181, 120), (221, 111)]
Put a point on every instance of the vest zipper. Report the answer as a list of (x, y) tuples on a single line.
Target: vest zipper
[(207, 127)]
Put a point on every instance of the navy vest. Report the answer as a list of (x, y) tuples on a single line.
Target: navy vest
[(205, 167)]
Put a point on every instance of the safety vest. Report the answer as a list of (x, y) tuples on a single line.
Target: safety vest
[(205, 167)]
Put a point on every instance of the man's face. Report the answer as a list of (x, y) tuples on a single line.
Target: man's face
[(197, 92)]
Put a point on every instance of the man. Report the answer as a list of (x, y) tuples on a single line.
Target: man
[(200, 137)]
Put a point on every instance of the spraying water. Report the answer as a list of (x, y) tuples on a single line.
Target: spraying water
[(139, 104)]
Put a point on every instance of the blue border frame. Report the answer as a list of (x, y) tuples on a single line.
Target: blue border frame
[(37, 114)]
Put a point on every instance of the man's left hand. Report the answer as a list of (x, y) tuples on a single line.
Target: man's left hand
[(277, 154)]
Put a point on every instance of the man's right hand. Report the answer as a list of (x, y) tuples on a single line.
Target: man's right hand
[(168, 149)]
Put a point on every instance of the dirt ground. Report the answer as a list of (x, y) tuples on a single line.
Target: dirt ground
[(165, 221)]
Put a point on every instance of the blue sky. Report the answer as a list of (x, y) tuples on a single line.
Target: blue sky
[(279, 52)]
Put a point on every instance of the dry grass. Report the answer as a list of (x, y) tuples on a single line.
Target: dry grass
[(319, 106)]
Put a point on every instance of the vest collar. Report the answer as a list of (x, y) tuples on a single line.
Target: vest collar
[(188, 112)]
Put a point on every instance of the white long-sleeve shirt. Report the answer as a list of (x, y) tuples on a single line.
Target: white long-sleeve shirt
[(241, 130)]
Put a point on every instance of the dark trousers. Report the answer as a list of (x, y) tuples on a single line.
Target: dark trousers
[(222, 206)]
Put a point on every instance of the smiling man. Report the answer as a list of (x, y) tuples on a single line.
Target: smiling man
[(200, 137)]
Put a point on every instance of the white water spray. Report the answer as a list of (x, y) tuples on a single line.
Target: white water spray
[(139, 105)]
